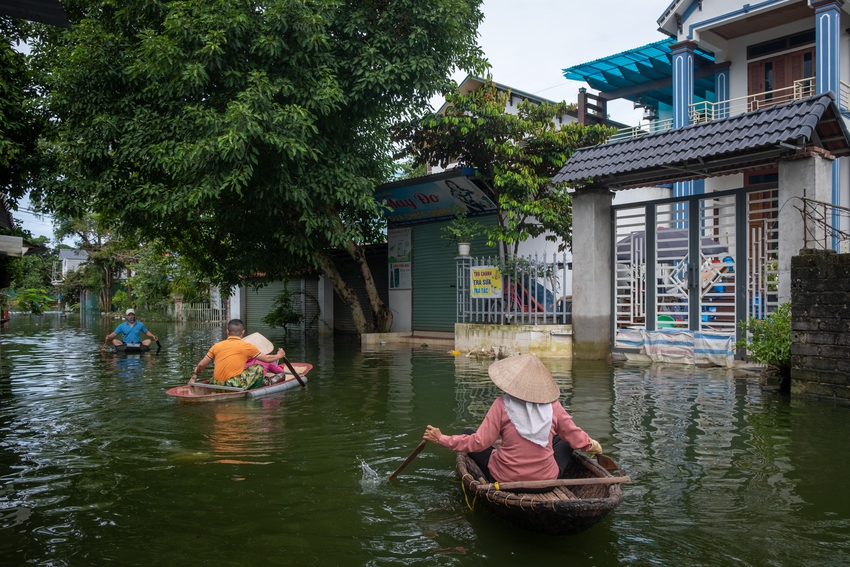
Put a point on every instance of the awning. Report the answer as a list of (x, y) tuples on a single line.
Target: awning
[(17, 247), (435, 197), (644, 74)]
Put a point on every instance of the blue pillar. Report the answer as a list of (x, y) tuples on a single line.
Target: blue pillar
[(683, 96), (827, 55)]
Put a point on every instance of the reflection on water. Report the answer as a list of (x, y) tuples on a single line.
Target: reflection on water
[(98, 465)]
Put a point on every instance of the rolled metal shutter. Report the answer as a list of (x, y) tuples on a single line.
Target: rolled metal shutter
[(435, 272), (260, 302)]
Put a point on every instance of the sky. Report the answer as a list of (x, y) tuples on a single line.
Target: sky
[(530, 42)]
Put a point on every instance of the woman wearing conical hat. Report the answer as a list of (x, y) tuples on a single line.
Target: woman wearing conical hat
[(538, 435)]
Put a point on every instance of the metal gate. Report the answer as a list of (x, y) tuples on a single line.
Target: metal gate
[(701, 263)]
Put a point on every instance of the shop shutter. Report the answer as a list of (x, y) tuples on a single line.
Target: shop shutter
[(260, 302), (435, 272)]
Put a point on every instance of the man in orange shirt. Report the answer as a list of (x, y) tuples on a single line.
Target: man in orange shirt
[(230, 356)]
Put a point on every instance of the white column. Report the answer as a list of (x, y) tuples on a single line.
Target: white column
[(809, 177), (326, 306), (592, 257)]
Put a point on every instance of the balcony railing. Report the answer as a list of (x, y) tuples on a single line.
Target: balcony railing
[(705, 111), (642, 130), (843, 95)]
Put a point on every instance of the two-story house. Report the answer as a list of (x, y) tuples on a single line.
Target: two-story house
[(745, 108)]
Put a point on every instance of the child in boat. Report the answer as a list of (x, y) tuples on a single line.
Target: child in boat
[(273, 372), (538, 435)]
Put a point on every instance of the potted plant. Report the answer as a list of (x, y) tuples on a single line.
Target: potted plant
[(461, 230)]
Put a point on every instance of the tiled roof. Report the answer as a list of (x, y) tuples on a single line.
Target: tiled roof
[(710, 149), (68, 254)]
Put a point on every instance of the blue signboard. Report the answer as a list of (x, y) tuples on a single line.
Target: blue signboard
[(433, 200)]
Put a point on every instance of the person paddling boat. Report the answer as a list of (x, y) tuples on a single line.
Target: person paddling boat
[(538, 435)]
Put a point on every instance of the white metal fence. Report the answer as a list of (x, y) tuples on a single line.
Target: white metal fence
[(202, 312), (528, 290)]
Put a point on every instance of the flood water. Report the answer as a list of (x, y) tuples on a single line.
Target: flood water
[(98, 466)]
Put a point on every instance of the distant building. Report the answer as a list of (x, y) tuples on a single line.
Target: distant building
[(71, 260)]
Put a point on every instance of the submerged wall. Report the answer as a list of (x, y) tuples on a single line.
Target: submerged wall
[(542, 340), (820, 323)]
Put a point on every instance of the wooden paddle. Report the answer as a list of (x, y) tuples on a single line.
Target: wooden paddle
[(294, 373), (216, 387), (607, 462), (407, 461), (104, 344), (556, 482)]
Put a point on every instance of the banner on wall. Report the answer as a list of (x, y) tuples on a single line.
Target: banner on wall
[(486, 281), (434, 200), (399, 257)]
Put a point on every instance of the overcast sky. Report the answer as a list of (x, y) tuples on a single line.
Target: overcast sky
[(530, 42)]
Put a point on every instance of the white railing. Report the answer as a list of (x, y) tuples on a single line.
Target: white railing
[(642, 130), (532, 291), (195, 312), (843, 95), (705, 111)]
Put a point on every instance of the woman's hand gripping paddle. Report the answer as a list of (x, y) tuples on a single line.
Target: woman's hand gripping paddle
[(407, 461)]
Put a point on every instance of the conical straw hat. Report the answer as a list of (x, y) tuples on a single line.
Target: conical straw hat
[(526, 378), (259, 341)]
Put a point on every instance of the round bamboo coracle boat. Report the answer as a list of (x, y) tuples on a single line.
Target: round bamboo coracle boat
[(565, 510)]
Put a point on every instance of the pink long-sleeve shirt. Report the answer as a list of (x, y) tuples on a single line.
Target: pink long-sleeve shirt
[(270, 367), (517, 458)]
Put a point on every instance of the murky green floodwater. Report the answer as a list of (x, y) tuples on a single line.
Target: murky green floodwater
[(98, 466)]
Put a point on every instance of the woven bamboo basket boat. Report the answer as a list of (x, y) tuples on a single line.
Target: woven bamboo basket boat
[(565, 510)]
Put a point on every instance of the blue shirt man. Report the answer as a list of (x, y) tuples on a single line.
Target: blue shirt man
[(131, 329)]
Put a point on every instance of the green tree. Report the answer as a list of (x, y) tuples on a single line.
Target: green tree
[(109, 253), (21, 119), (33, 270), (516, 154), (247, 135)]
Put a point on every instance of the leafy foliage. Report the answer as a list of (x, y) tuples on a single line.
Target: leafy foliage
[(517, 155), (769, 339), (460, 228), (34, 300), (21, 119), (247, 136)]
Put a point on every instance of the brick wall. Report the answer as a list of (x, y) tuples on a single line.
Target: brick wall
[(820, 322)]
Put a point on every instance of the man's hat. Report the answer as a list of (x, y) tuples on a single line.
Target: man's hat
[(525, 378), (129, 311)]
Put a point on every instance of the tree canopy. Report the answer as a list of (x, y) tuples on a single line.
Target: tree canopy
[(246, 135), (516, 154)]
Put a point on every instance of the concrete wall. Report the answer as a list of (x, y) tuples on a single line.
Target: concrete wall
[(542, 340), (810, 176), (820, 323)]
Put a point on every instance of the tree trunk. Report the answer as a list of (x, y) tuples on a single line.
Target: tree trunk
[(344, 291), (381, 312)]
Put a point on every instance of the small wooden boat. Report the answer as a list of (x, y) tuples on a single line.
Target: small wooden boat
[(132, 347), (564, 510), (203, 391)]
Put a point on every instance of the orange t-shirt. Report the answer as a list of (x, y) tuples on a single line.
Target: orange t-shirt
[(230, 356)]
